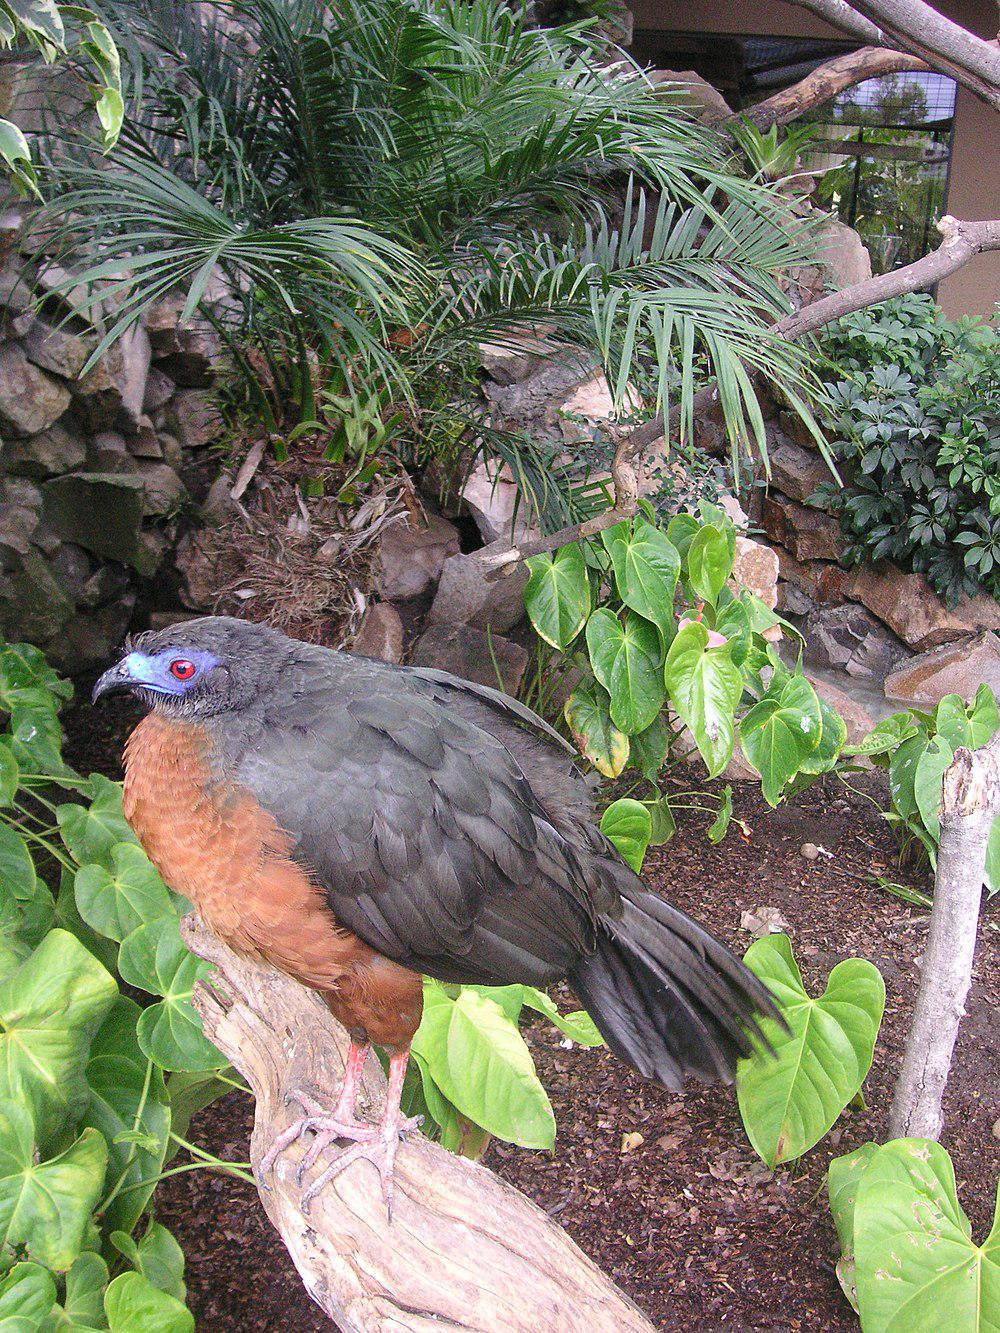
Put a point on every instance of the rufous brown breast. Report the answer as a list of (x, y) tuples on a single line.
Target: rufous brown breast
[(213, 843)]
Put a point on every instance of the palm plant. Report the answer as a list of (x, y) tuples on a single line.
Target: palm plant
[(436, 166)]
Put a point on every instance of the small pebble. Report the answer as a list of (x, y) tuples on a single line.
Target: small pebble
[(810, 851), (996, 1129)]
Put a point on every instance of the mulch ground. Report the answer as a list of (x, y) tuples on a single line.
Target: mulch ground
[(689, 1222)]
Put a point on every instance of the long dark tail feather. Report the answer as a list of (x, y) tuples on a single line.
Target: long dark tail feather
[(668, 998)]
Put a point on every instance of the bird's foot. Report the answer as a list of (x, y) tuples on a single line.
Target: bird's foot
[(378, 1147), (326, 1126)]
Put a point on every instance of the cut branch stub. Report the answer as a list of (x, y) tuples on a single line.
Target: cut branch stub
[(463, 1251)]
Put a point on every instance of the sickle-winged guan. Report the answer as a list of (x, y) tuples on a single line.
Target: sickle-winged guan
[(357, 824)]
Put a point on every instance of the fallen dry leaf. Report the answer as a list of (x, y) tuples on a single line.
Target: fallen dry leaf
[(761, 921)]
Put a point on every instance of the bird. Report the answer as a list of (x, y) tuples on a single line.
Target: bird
[(360, 825)]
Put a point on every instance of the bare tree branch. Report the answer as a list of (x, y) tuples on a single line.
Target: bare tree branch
[(464, 1251), (828, 81), (969, 805)]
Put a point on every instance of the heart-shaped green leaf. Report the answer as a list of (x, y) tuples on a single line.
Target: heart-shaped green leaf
[(35, 736), (917, 1267), (952, 721), (903, 772), (45, 1206), (557, 595), (705, 689), (984, 717), (626, 660), (779, 732), (27, 1298), (50, 1009), (588, 714), (578, 1026), (115, 902), (831, 741), (157, 1256), (478, 1059), (17, 869), (628, 825), (928, 779), (119, 1086), (788, 1101), (720, 825), (134, 1305), (709, 563), (647, 567), (842, 1181), (9, 774), (91, 832), (156, 959), (648, 749)]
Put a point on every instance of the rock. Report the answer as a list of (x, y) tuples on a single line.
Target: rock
[(196, 564), (955, 668), (100, 511), (90, 640), (858, 719), (109, 452), (516, 359), (146, 444), (470, 653), (218, 506), (842, 253), (381, 633), (823, 583), (796, 471), (761, 921), (150, 552), (163, 489), (16, 297), (756, 568), (810, 534), (193, 418), (849, 638), (692, 91), (20, 513), (910, 606), (735, 511), (30, 400), (58, 350), (33, 606), (411, 559), (464, 596), (193, 364), (52, 451), (11, 227), (491, 497), (164, 619), (159, 389), (809, 851), (535, 395), (75, 298), (111, 395), (74, 569), (590, 403)]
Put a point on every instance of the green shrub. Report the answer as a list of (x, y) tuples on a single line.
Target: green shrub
[(915, 417)]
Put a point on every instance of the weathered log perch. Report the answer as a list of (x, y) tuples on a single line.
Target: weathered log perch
[(463, 1250)]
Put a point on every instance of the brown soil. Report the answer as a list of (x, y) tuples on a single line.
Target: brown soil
[(690, 1223)]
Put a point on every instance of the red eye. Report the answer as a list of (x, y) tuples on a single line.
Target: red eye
[(182, 669)]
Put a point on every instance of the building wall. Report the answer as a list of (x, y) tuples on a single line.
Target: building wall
[(974, 183)]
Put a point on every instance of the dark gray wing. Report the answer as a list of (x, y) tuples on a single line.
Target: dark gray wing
[(423, 829)]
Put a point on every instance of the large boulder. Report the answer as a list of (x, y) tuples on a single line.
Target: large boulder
[(380, 634), (491, 497), (30, 400), (817, 582), (59, 350), (110, 396), (756, 568), (20, 514), (954, 668), (693, 92), (465, 596), (795, 471), (33, 604), (486, 659), (809, 533), (100, 511), (193, 418), (910, 606), (850, 639), (44, 455), (411, 559)]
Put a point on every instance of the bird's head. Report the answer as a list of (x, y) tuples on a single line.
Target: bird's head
[(199, 668)]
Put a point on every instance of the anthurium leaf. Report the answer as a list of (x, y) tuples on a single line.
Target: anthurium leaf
[(705, 688), (903, 772), (509, 998), (478, 1059), (24, 923), (557, 595), (663, 823), (952, 721), (709, 563), (157, 1256), (733, 623), (17, 869), (928, 778), (578, 1026), (681, 532), (45, 1206), (119, 1086), (27, 1298), (790, 1100), (50, 1009), (84, 1303), (35, 736), (628, 825), (92, 832), (134, 1305), (992, 876), (831, 741), (626, 660), (779, 732), (23, 666), (115, 901), (155, 958), (9, 774), (720, 825), (984, 717), (842, 1180), (647, 567), (918, 1269), (588, 714), (885, 736), (648, 749)]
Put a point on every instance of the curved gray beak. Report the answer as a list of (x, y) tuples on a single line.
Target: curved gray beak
[(115, 678)]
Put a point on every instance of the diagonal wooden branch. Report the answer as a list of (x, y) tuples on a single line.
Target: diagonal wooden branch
[(464, 1251), (970, 803), (962, 242), (828, 80)]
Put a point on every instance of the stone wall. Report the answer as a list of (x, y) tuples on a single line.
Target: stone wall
[(98, 471)]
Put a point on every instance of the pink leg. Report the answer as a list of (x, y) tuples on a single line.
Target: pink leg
[(380, 1150), (327, 1126)]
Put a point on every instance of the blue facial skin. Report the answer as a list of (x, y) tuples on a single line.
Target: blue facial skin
[(153, 673)]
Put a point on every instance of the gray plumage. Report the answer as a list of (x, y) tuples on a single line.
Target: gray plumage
[(453, 833)]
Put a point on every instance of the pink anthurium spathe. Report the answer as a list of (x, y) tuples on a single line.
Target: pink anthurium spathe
[(715, 639)]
